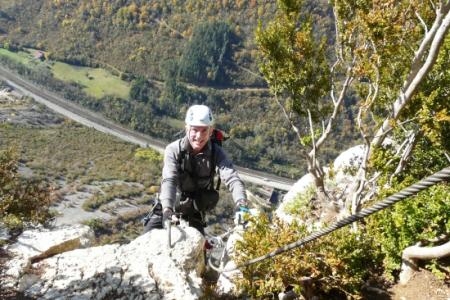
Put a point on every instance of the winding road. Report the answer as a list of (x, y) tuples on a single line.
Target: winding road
[(94, 120)]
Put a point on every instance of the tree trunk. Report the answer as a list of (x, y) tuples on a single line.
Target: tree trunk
[(315, 169), (414, 253)]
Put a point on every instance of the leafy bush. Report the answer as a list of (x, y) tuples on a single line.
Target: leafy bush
[(422, 218), (336, 264), (418, 218), (21, 200), (148, 154)]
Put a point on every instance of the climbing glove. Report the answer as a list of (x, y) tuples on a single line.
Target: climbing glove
[(241, 206), (240, 209)]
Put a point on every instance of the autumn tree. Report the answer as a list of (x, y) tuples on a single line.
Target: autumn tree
[(393, 57), (382, 50)]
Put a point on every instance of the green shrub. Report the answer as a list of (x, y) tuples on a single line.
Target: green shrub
[(21, 200), (420, 218), (148, 154), (337, 263)]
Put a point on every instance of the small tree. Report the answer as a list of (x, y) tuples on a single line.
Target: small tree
[(392, 57), (383, 51)]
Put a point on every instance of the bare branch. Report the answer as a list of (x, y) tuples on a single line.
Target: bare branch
[(313, 139), (414, 253), (439, 239), (410, 142), (360, 180), (432, 4), (424, 25), (333, 97), (339, 49), (288, 118), (447, 156), (337, 105)]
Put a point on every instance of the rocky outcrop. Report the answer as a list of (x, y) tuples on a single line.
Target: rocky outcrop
[(34, 245), (45, 266)]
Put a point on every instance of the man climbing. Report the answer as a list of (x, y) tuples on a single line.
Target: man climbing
[(190, 164)]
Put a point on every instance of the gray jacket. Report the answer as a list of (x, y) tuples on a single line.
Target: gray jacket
[(201, 163)]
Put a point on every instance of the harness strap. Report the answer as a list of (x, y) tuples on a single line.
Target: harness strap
[(185, 156)]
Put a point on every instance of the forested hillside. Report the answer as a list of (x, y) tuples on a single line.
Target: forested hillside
[(174, 53)]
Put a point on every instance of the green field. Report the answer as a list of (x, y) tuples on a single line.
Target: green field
[(174, 123), (20, 57), (96, 82)]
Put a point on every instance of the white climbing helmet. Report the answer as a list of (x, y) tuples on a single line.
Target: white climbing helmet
[(199, 115)]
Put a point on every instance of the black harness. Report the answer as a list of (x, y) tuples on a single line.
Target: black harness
[(186, 167)]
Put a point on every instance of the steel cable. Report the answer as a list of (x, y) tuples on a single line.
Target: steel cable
[(389, 201)]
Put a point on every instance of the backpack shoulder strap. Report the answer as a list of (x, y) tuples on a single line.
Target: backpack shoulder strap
[(181, 157), (213, 167)]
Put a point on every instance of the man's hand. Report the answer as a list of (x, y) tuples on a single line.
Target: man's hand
[(240, 209), (241, 206), (167, 215)]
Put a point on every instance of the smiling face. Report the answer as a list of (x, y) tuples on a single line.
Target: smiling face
[(198, 136)]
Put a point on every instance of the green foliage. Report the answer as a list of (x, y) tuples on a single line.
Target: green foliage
[(294, 61), (140, 89), (337, 263), (204, 58), (421, 218), (21, 200), (431, 105), (301, 205), (381, 39), (149, 154), (418, 218)]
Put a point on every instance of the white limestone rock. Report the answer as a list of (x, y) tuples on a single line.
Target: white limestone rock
[(299, 187), (36, 244), (143, 269)]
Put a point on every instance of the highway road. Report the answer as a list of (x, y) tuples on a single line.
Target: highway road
[(94, 120)]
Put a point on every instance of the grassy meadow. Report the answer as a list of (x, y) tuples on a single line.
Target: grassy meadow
[(20, 57), (95, 82)]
